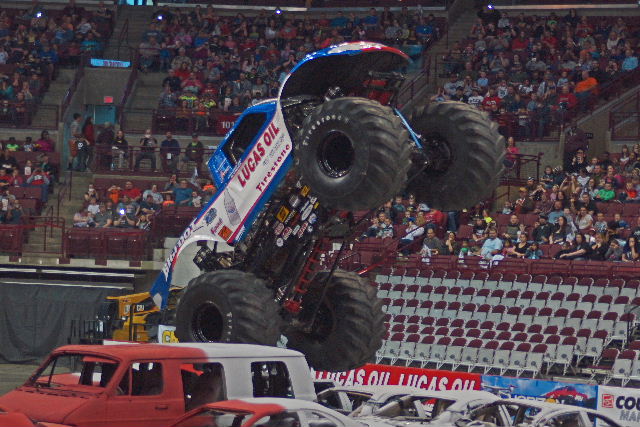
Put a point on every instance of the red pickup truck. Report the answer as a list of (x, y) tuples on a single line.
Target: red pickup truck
[(148, 385)]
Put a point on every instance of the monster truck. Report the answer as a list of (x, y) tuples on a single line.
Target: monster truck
[(286, 173)]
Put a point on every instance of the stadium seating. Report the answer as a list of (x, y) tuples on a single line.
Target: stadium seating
[(513, 326)]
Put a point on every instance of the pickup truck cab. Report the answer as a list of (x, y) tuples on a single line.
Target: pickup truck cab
[(148, 385)]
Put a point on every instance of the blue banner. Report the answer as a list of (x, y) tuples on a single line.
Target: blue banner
[(112, 63), (584, 395)]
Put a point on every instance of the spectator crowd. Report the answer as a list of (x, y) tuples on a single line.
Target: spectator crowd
[(589, 210), (34, 42), (130, 207), (224, 64), (532, 72), (37, 172)]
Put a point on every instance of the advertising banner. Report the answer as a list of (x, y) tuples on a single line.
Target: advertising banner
[(549, 391), (428, 379), (622, 404)]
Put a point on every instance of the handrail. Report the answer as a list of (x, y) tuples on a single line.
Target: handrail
[(68, 96), (124, 34), (128, 88)]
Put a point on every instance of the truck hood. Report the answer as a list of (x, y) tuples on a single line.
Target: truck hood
[(346, 65), (52, 406)]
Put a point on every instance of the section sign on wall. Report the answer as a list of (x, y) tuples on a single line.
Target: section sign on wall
[(621, 404), (428, 379)]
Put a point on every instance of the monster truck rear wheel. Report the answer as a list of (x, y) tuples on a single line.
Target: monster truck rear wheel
[(353, 153), (228, 306), (464, 152), (348, 328)]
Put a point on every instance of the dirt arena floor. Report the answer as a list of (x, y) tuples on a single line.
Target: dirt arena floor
[(13, 375)]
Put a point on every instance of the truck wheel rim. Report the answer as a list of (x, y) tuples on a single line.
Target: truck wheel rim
[(438, 152), (207, 322), (336, 154)]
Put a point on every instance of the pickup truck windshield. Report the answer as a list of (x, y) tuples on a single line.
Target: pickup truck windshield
[(75, 369)]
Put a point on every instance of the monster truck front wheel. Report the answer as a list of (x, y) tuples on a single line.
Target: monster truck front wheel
[(348, 327), (228, 306), (353, 153), (464, 154)]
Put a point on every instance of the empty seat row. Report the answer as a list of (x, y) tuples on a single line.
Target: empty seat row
[(417, 286), (106, 243), (511, 298), (486, 356)]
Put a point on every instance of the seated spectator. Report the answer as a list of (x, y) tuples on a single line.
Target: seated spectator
[(556, 212), (599, 248), (182, 194), (127, 212), (41, 180), (103, 218), (412, 232), (169, 153), (431, 245), (93, 208), (520, 248), (614, 252), (154, 193), (91, 193), (194, 152), (580, 250), (542, 230), (451, 245), (131, 192), (149, 54), (606, 194), (629, 194), (82, 219), (149, 206), (561, 232), (14, 213), (148, 145), (385, 229), (533, 252), (492, 246), (584, 221), (631, 251), (196, 200), (601, 225), (512, 228), (143, 223), (114, 194)]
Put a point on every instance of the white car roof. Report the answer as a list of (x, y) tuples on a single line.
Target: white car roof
[(220, 350), (376, 390), (546, 408)]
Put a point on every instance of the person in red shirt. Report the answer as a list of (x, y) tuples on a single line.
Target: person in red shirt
[(549, 40), (16, 179), (5, 179), (132, 192), (520, 43), (566, 99), (40, 179), (491, 100)]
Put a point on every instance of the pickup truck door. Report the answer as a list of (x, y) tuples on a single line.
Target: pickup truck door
[(149, 394)]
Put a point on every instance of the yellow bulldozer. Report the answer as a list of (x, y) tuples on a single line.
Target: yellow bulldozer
[(135, 317)]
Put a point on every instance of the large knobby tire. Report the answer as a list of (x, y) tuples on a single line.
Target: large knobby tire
[(465, 153), (353, 153), (228, 306), (349, 325)]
